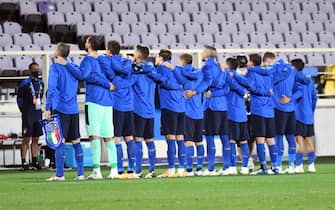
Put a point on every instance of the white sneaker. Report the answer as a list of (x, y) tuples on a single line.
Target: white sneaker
[(80, 178), (280, 170), (55, 178), (95, 175), (209, 173), (225, 172), (189, 174), (232, 170), (299, 169), (113, 174), (251, 165), (244, 171), (198, 173), (150, 175), (289, 170), (311, 168)]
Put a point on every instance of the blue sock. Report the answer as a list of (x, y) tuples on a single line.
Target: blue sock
[(273, 149), (210, 152), (233, 155), (139, 157), (171, 153), (119, 152), (151, 155), (280, 145), (311, 157), (226, 151), (131, 151), (261, 153), (299, 158), (181, 153), (78, 151), (189, 150), (59, 160), (291, 149), (245, 154), (200, 156)]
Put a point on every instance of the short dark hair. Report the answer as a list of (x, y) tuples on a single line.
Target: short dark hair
[(165, 54), (114, 47), (256, 59), (63, 49), (211, 51), (269, 55), (231, 63), (186, 57), (32, 64), (95, 42), (298, 64), (144, 50)]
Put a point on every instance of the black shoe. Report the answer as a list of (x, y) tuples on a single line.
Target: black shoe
[(36, 166), (52, 166), (25, 167)]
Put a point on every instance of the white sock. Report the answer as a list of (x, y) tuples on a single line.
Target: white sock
[(172, 171)]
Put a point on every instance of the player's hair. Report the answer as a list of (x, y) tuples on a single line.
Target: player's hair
[(165, 54), (231, 63), (211, 51), (114, 47), (95, 42), (256, 59), (63, 49), (186, 57), (144, 51), (269, 55), (32, 64), (298, 64)]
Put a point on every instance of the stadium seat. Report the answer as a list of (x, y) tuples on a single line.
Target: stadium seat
[(315, 59), (44, 7), (228, 27), (309, 37), (234, 17), (164, 17), (121, 28), (320, 45), (64, 6), (242, 6), (119, 7), (73, 18), (158, 46), (263, 26), (204, 38), (274, 37), (302, 45), (222, 38), (329, 58), (186, 38), (6, 62), (73, 47), (22, 39), (55, 18), (240, 38), (101, 6), (175, 27), (173, 6), (5, 39), (211, 28), (326, 6), (84, 29), (327, 37), (137, 6), (139, 28), (285, 45), (298, 26), (292, 6), (149, 39), (232, 46), (128, 17), (200, 17), (193, 27), (112, 36), (157, 28), (176, 46), (181, 17), (109, 17), (276, 6), (330, 26), (309, 6), (49, 47), (41, 38), (281, 26), (22, 62), (155, 7), (225, 6), (266, 45), (11, 28), (292, 37), (251, 17), (195, 46), (269, 16), (297, 55), (77, 58), (257, 37), (147, 17), (131, 39), (31, 47), (246, 27), (285, 17), (319, 16), (82, 6), (102, 28), (249, 45), (217, 17), (303, 16), (315, 26), (190, 6), (91, 17), (258, 6), (28, 7), (207, 6)]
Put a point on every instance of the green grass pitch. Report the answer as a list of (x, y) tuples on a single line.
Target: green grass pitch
[(28, 190)]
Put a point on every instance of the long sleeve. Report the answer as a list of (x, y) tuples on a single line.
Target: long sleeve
[(300, 77), (121, 66), (92, 77), (122, 83), (19, 98), (191, 74), (235, 86), (207, 80), (297, 92), (314, 97), (105, 63), (52, 86), (178, 74)]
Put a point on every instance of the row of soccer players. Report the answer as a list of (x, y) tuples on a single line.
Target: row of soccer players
[(120, 103)]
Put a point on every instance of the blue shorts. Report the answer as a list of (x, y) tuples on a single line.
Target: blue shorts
[(70, 126), (123, 123), (304, 130), (31, 126), (172, 123), (193, 129), (216, 123), (284, 122), (262, 127), (144, 127), (238, 131)]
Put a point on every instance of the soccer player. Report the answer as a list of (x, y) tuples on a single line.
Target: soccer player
[(172, 117), (62, 98), (304, 112), (29, 97), (191, 77), (237, 122)]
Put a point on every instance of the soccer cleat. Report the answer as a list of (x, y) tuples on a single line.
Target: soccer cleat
[(181, 174), (244, 171), (260, 172), (164, 175), (289, 170), (80, 178), (55, 178), (113, 174), (198, 173), (209, 173), (132, 176), (251, 165), (150, 175), (122, 176), (95, 175), (311, 168), (36, 166), (224, 172), (189, 174), (299, 169), (232, 171), (25, 167), (280, 170)]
